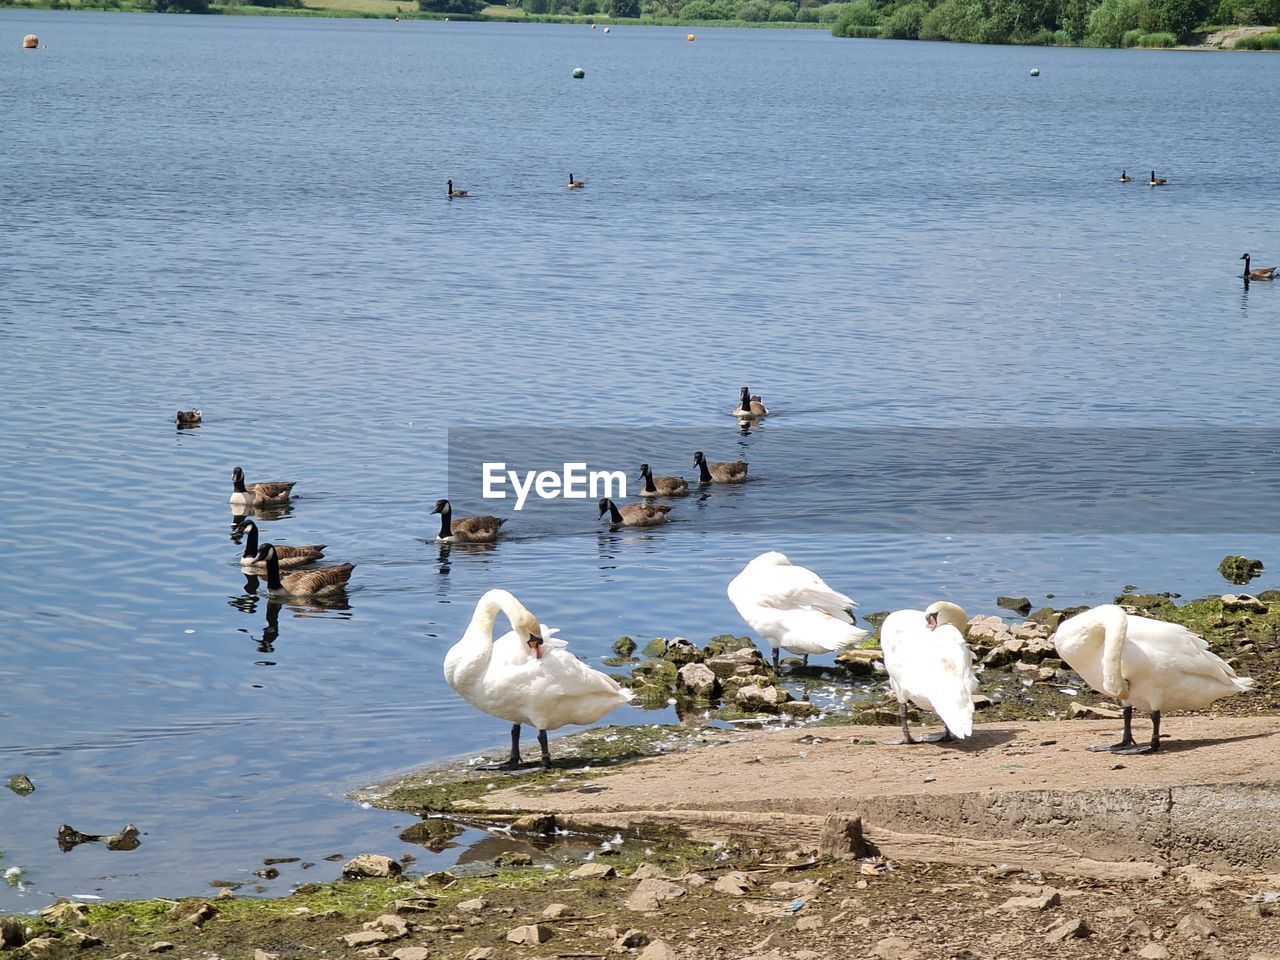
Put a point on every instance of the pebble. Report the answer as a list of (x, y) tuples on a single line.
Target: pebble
[(1195, 926), (658, 950), (473, 906), (364, 938), (594, 871), (1068, 930), (555, 911), (530, 933), (482, 953), (1050, 898), (1153, 951), (412, 953), (160, 946), (650, 894), (895, 948), (735, 883), (371, 865)]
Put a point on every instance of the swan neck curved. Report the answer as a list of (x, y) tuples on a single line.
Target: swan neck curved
[(446, 522), (615, 515), (1115, 630), (704, 474), (649, 486)]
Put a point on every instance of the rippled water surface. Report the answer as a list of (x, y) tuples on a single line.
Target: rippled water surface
[(248, 216)]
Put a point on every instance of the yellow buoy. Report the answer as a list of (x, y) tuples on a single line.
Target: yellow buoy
[(30, 42), (690, 38)]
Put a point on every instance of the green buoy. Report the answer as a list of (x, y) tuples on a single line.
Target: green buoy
[(578, 73), (1035, 71)]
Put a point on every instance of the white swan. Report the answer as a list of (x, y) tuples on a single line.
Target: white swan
[(1144, 663), (793, 608), (525, 676), (930, 664)]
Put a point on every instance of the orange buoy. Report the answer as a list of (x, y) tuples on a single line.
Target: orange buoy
[(690, 38), (30, 42)]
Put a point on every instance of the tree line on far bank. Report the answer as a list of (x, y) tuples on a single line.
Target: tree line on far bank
[(1101, 23)]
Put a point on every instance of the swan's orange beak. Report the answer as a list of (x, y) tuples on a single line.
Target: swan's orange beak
[(536, 643)]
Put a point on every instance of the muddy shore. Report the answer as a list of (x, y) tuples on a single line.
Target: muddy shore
[(809, 836)]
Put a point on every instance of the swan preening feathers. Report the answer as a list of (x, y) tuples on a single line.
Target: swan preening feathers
[(792, 608), (1148, 664), (929, 664), (526, 676)]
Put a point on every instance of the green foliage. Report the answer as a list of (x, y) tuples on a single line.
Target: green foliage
[(956, 20), (1181, 17), (181, 6), (1158, 40), (904, 22), (1113, 19), (830, 12), (466, 7), (623, 8), (1263, 41), (1247, 11), (782, 11)]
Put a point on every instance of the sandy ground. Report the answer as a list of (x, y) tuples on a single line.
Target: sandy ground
[(1027, 794), (819, 769)]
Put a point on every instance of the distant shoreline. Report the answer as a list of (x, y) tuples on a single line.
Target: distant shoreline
[(1225, 37)]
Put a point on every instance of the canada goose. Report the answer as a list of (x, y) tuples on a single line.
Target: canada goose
[(526, 676), (749, 406), (793, 608), (634, 514), (1257, 273), (453, 194), (1156, 181), (188, 418), (661, 486), (735, 472), (259, 494), (1144, 663), (930, 665), (304, 583), (1124, 177), (576, 184), (289, 555), (482, 529)]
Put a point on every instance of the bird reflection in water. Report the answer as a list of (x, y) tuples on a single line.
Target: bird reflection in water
[(445, 549), (312, 606), (270, 511)]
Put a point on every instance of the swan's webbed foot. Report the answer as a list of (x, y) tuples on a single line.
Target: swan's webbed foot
[(1135, 749), (944, 737), (1126, 740), (1122, 747)]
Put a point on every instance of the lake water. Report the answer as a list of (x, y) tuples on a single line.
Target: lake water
[(247, 215)]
